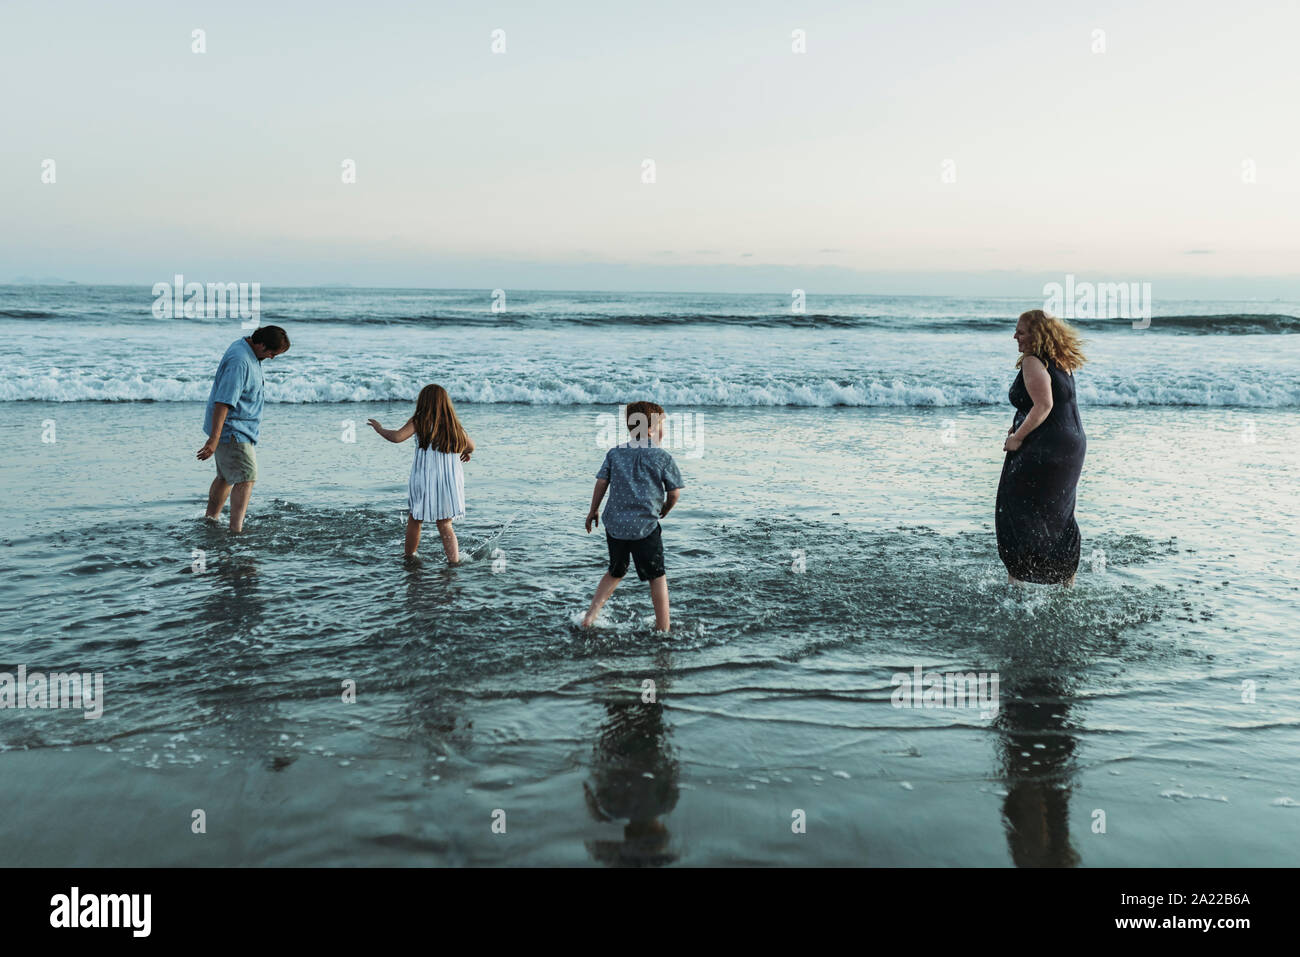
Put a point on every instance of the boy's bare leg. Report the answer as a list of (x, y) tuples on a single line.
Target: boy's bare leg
[(449, 543), (239, 497), (413, 527), (606, 588), (218, 492), (659, 595)]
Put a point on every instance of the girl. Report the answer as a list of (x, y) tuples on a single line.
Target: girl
[(437, 485)]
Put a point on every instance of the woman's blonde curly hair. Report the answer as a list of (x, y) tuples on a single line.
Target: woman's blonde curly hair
[(1052, 339)]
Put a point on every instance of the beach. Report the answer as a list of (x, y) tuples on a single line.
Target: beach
[(835, 532)]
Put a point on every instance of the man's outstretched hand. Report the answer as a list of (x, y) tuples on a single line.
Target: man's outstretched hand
[(208, 450)]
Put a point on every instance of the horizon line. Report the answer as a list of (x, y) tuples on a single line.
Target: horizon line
[(61, 283)]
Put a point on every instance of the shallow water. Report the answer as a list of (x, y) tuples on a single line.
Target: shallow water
[(476, 692)]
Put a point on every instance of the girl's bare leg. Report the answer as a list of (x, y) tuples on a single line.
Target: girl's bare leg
[(449, 543), (413, 527), (606, 588), (659, 595)]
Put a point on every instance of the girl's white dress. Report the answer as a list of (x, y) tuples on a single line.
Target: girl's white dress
[(437, 486)]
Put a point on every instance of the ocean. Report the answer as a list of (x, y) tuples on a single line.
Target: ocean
[(299, 695)]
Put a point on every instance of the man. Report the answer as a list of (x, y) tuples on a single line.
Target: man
[(233, 418)]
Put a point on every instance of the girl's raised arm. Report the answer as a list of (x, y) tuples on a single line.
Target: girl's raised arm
[(401, 435)]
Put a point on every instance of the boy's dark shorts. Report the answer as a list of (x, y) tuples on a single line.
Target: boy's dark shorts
[(647, 553)]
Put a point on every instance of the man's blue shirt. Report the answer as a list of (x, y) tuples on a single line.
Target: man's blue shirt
[(239, 385)]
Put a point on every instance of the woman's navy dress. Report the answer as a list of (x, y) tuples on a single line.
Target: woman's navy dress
[(1038, 538)]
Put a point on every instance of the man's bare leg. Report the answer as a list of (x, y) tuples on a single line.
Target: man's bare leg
[(239, 497), (606, 588), (413, 529), (659, 596), (218, 492)]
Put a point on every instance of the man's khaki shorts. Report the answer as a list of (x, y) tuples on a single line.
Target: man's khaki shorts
[(236, 462)]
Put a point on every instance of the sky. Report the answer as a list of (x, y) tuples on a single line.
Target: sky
[(919, 147)]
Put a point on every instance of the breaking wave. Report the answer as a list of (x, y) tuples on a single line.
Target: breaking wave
[(524, 389)]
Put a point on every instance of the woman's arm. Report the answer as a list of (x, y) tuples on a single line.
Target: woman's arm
[(1039, 384), (401, 435), (469, 449)]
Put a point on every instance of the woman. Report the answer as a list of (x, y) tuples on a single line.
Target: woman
[(1038, 538)]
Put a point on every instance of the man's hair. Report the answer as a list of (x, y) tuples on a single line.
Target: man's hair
[(271, 337), (647, 412)]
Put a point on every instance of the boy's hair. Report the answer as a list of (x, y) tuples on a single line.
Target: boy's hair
[(642, 417), (271, 337), (645, 410)]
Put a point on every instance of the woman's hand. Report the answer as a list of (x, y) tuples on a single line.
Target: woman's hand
[(1012, 443), (374, 424), (464, 456)]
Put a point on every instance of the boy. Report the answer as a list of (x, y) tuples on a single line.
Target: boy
[(644, 485)]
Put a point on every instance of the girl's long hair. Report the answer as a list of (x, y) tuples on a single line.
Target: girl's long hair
[(1053, 340), (436, 425)]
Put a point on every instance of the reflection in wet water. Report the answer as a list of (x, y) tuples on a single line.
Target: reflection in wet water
[(1037, 755), (634, 779)]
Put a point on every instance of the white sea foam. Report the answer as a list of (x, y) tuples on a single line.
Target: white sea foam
[(55, 385)]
